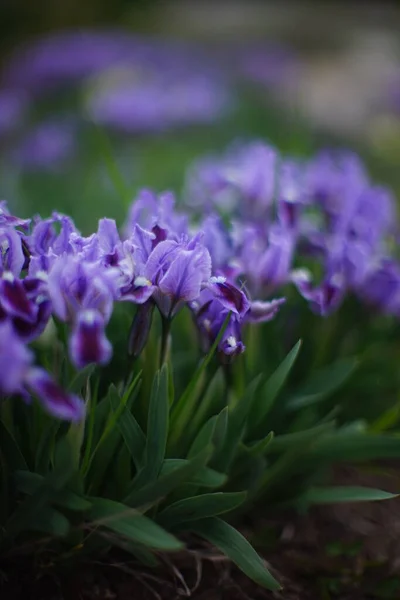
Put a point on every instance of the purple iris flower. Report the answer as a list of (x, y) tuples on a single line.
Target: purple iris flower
[(19, 376), (82, 294), (241, 181), (179, 270), (156, 213), (323, 298)]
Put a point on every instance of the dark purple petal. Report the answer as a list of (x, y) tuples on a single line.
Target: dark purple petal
[(229, 295), (14, 300), (139, 291), (88, 343), (55, 400)]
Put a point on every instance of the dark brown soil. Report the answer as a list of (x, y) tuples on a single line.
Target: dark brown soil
[(346, 552)]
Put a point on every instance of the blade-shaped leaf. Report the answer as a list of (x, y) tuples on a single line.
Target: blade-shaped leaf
[(237, 548), (28, 482), (330, 495), (183, 409), (155, 490), (204, 477), (237, 419), (51, 521), (27, 512), (201, 507), (10, 449), (157, 430), (267, 395), (323, 384), (131, 524), (134, 438)]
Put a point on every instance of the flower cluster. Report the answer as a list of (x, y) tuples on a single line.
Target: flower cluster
[(119, 81), (318, 223), (50, 271)]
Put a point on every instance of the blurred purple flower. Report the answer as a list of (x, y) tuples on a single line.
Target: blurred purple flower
[(13, 107), (47, 146), (18, 376)]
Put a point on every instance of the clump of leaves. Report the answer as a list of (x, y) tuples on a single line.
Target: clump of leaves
[(156, 460)]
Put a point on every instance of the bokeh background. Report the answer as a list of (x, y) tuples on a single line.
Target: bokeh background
[(98, 99)]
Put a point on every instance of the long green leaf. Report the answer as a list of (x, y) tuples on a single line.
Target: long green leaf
[(355, 446), (333, 495), (52, 522), (183, 409), (323, 384), (28, 483), (237, 420), (161, 487), (131, 524), (134, 438), (27, 512), (200, 507), (237, 548), (10, 449), (204, 477), (269, 392), (157, 430)]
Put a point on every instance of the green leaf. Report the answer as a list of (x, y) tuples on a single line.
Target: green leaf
[(134, 438), (165, 484), (355, 446), (81, 378), (204, 437), (131, 524), (106, 152), (323, 384), (265, 400), (386, 420), (52, 522), (29, 510), (28, 483), (333, 495), (229, 541), (183, 409), (200, 507), (10, 449), (237, 420), (157, 430), (204, 477), (287, 441), (259, 448)]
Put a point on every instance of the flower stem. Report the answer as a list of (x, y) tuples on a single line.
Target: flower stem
[(165, 337)]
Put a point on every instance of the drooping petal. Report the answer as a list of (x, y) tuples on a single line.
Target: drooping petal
[(14, 299), (15, 360), (55, 400), (262, 312), (88, 343), (326, 297), (229, 295)]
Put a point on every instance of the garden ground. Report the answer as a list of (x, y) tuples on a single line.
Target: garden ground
[(349, 551)]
